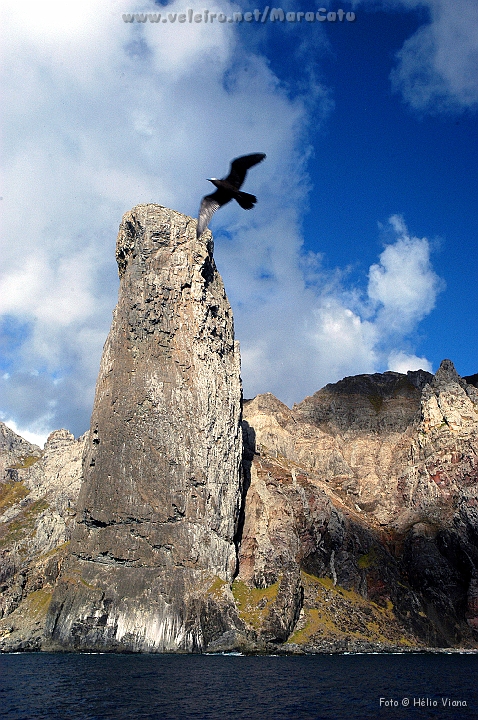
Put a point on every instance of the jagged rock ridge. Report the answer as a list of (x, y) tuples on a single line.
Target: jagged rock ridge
[(369, 490), (38, 495)]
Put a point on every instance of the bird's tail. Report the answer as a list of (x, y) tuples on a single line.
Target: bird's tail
[(245, 200)]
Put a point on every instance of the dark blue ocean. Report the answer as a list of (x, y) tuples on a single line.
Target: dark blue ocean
[(183, 687)]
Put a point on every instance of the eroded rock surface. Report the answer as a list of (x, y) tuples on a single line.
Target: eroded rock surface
[(369, 490), (352, 523), (38, 496), (160, 502)]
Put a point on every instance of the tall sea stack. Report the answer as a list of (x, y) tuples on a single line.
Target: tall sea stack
[(153, 553)]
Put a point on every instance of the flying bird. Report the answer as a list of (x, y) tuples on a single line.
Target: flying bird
[(228, 189)]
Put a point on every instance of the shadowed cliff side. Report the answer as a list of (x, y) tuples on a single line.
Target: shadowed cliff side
[(151, 560)]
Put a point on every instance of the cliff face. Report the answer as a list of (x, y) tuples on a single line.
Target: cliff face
[(153, 553), (367, 491), (349, 522), (38, 495)]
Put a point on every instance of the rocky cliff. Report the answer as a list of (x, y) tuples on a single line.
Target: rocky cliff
[(349, 522), (38, 495), (365, 496), (160, 501)]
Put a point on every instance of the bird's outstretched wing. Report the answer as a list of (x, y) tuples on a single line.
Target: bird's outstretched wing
[(209, 205), (240, 166)]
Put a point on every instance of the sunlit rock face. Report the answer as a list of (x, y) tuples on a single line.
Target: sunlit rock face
[(154, 551), (348, 522), (370, 485), (38, 494)]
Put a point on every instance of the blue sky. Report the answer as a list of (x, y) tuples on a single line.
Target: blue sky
[(360, 255)]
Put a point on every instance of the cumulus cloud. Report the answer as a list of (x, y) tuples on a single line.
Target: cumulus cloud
[(437, 67), (111, 114), (296, 336), (403, 285), (402, 362)]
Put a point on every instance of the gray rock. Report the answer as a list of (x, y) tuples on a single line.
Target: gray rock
[(355, 528), (15, 454), (160, 502)]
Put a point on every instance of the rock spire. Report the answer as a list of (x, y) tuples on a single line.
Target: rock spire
[(161, 496)]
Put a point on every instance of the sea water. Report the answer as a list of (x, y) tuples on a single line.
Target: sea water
[(183, 687)]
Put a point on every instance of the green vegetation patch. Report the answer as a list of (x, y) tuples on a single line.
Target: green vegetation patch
[(11, 493), (25, 462), (253, 603), (367, 560), (37, 507), (216, 588), (314, 625), (38, 602), (337, 590), (332, 613), (59, 549), (376, 401), (17, 530)]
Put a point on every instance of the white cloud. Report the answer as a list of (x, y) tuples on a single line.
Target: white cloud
[(403, 284), (100, 115), (399, 361), (437, 67), (296, 337)]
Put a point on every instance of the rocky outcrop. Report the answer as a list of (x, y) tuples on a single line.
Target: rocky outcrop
[(153, 554), (320, 567), (369, 490), (38, 495), (15, 454), (439, 492)]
